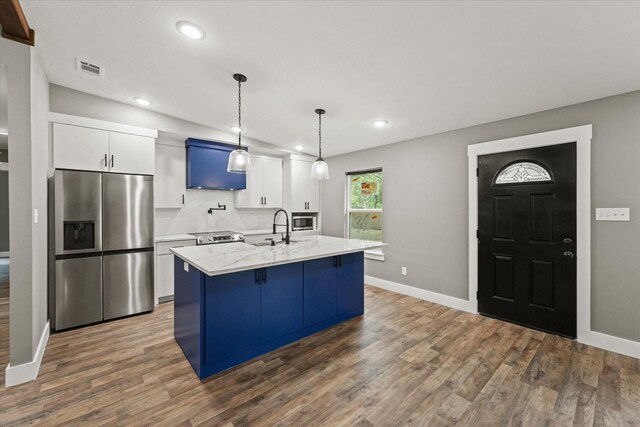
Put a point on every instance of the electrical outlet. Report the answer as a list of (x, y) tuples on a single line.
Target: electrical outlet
[(612, 214), (163, 220), (404, 271)]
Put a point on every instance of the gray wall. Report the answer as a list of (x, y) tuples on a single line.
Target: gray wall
[(27, 108), (426, 208), (4, 211)]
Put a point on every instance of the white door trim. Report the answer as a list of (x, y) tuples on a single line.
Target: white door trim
[(581, 135)]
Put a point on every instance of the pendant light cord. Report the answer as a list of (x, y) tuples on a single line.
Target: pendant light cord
[(239, 114), (320, 136)]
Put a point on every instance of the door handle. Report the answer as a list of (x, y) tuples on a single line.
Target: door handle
[(568, 254), (265, 200), (183, 199), (105, 160), (112, 160), (567, 240)]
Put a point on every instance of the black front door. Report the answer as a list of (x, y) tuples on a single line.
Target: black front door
[(527, 237)]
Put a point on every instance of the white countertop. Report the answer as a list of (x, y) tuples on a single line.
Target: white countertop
[(174, 238), (232, 257), (256, 232)]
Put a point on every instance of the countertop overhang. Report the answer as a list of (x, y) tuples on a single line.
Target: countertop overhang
[(226, 258)]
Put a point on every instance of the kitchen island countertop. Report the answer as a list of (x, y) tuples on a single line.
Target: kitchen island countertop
[(233, 257)]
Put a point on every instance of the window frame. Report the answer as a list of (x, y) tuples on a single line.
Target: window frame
[(375, 254)]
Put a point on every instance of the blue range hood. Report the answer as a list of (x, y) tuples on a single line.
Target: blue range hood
[(207, 166)]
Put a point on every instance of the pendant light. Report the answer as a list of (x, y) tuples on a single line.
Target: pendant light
[(239, 159), (319, 168)]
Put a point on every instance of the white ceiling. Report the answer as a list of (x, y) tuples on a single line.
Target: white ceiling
[(426, 67)]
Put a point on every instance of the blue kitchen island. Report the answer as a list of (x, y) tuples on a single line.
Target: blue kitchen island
[(236, 301)]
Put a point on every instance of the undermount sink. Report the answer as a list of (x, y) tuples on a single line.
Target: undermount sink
[(278, 242)]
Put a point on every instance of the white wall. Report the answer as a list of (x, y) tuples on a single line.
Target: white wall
[(39, 175), (27, 111), (193, 217)]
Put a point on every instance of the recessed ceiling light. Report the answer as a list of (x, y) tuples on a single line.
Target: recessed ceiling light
[(380, 123), (235, 128), (191, 30), (142, 101), (299, 147)]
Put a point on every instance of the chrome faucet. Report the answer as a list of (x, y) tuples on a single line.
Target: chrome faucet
[(275, 216)]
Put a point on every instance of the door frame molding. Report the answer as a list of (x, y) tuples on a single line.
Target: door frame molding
[(581, 135)]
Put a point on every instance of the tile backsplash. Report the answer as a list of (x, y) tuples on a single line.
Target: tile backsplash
[(193, 217)]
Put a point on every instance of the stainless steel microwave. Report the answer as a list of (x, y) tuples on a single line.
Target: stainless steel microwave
[(303, 221)]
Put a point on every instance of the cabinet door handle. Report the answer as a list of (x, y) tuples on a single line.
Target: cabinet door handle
[(105, 160), (112, 160), (264, 275), (183, 199), (257, 271), (265, 200)]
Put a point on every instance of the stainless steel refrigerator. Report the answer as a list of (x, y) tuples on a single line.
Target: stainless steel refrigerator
[(101, 246)]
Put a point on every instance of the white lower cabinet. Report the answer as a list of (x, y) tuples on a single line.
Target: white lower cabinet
[(164, 268)]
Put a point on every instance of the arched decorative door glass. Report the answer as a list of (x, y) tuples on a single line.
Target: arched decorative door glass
[(522, 172)]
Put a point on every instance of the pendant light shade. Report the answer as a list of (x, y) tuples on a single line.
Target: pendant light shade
[(319, 168), (239, 159)]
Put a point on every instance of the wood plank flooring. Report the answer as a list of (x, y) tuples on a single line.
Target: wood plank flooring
[(406, 362)]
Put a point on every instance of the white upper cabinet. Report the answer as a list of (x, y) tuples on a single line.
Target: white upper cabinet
[(131, 154), (91, 149), (301, 192), (170, 179), (264, 184), (76, 147)]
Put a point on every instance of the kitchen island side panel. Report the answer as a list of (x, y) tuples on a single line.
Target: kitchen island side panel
[(188, 319)]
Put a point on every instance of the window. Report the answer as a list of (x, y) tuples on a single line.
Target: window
[(364, 206), (522, 172)]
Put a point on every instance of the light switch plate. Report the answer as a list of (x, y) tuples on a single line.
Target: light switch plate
[(186, 267), (612, 214)]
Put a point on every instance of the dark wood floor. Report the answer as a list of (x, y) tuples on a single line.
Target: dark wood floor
[(406, 362)]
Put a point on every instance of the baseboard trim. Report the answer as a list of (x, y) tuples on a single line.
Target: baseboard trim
[(592, 338), (449, 301), (26, 372), (613, 343)]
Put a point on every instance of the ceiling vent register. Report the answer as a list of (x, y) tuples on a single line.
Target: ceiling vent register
[(87, 67)]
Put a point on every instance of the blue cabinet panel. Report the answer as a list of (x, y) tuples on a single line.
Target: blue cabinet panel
[(232, 314), (222, 321), (188, 328), (319, 290), (281, 301), (350, 285), (207, 166)]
